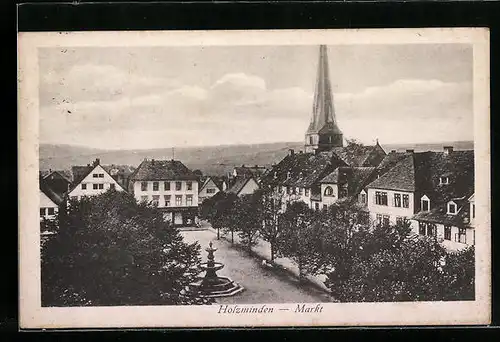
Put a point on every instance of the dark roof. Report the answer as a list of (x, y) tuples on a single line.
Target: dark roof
[(390, 160), (63, 174), (162, 170), (303, 169), (360, 177), (421, 173), (80, 172), (54, 197), (216, 180), (354, 154), (439, 214), (400, 177), (238, 184), (250, 171)]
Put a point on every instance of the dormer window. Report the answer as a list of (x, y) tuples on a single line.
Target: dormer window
[(329, 191), (288, 174), (452, 208), (444, 180), (425, 203)]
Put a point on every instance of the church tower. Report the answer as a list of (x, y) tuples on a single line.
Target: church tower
[(323, 132)]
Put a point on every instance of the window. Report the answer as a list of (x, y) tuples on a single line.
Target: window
[(473, 211), (74, 198), (42, 212), (424, 203), (178, 186), (144, 198), (422, 227), (316, 206), (289, 190), (461, 236), (280, 188), (431, 229), (452, 208), (406, 201), (95, 175), (112, 186), (381, 198), (301, 191), (329, 191), (95, 186), (101, 175), (84, 186), (447, 232), (444, 180), (156, 199), (385, 220), (167, 200), (51, 211), (178, 200), (379, 220), (397, 200), (296, 190), (189, 200), (156, 186), (307, 192), (101, 186), (210, 191), (399, 221), (363, 198), (324, 206), (310, 140), (189, 185), (144, 186), (166, 185)]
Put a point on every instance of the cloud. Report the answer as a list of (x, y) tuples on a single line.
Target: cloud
[(239, 108)]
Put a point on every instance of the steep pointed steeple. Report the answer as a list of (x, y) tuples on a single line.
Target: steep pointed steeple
[(323, 132)]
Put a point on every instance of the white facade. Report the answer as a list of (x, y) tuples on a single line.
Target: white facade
[(167, 194), (95, 183), (249, 188), (208, 189), (472, 211), (390, 205), (451, 237), (329, 194), (48, 209)]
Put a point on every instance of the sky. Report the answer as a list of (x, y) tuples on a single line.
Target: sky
[(141, 97)]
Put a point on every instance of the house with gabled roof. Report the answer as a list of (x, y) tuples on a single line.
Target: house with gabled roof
[(432, 190), (50, 201), (210, 186), (243, 186), (57, 180), (170, 186), (91, 180)]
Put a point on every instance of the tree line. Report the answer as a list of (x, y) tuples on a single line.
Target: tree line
[(362, 262)]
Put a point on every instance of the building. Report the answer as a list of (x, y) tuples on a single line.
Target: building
[(434, 190), (91, 180), (243, 186), (303, 175), (50, 202), (211, 186), (120, 173), (246, 171), (170, 186), (57, 180)]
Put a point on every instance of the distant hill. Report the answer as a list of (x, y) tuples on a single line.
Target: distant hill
[(215, 160)]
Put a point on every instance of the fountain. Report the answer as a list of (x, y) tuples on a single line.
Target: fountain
[(212, 285)]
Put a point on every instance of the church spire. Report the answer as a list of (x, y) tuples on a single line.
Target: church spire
[(323, 131)]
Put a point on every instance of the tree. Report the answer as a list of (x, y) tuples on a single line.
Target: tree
[(296, 238), (271, 216), (217, 210), (109, 250), (198, 173), (248, 218)]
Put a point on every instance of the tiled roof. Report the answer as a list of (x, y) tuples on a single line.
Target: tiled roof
[(332, 178), (80, 172), (162, 170), (390, 160), (353, 154), (439, 215), (400, 177), (360, 177), (54, 197), (238, 184)]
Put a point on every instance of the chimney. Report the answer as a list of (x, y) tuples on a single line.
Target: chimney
[(292, 152), (97, 161), (393, 151), (410, 150), (300, 152), (448, 149)]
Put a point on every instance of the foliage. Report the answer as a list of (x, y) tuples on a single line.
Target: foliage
[(112, 251), (218, 211), (297, 238), (247, 216), (271, 216)]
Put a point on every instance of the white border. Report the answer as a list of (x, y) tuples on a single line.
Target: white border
[(32, 315)]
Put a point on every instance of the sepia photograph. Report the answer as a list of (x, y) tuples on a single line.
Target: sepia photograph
[(254, 178)]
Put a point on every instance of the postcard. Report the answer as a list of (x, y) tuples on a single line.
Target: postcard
[(260, 178)]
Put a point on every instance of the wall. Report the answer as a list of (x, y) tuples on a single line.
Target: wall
[(138, 193), (107, 180), (250, 187), (46, 203), (329, 200), (389, 209), (203, 194)]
